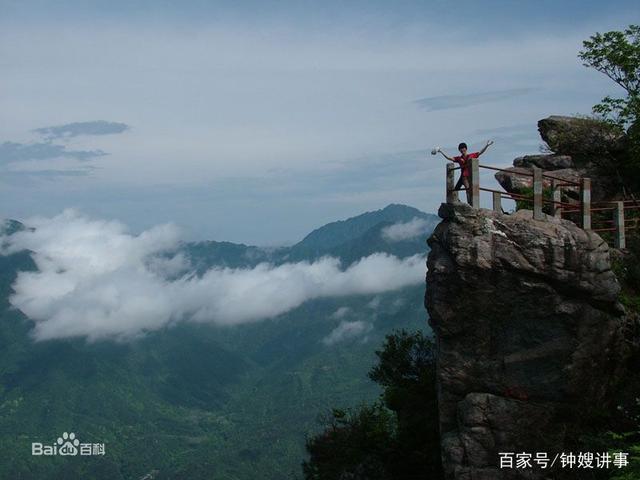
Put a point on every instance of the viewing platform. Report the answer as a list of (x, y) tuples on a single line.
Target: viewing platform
[(612, 220)]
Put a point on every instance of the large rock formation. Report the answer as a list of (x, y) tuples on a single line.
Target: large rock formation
[(584, 139), (546, 162), (519, 179), (582, 147), (527, 323)]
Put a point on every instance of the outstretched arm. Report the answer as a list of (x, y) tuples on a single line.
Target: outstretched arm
[(484, 149), (445, 156)]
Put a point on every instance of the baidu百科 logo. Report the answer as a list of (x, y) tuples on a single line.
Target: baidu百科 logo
[(67, 445)]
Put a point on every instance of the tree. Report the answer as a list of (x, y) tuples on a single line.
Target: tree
[(406, 370), (355, 445), (396, 437), (617, 55)]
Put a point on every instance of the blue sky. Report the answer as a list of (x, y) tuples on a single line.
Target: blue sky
[(259, 121)]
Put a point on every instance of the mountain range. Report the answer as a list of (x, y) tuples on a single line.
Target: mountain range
[(203, 401)]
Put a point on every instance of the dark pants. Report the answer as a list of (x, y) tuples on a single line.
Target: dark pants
[(467, 185)]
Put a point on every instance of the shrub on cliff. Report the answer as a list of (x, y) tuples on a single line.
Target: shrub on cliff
[(395, 438), (619, 430)]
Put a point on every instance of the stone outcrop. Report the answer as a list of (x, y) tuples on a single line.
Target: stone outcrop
[(515, 179), (527, 323), (584, 139), (582, 147), (545, 162), (519, 179)]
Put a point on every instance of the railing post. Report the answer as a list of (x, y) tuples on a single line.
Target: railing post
[(497, 202), (475, 183), (452, 195), (557, 198), (537, 194), (585, 199), (618, 221)]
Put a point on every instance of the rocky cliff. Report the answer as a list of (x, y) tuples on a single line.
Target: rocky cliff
[(528, 330)]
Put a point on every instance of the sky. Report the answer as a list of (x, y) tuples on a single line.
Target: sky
[(257, 122)]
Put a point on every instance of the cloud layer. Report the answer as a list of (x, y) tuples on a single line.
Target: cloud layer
[(11, 152), (14, 155), (406, 231), (446, 102), (347, 331), (96, 127), (96, 280)]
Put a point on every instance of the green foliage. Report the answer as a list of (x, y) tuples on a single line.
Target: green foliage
[(547, 196), (619, 431), (405, 361), (355, 444), (406, 371), (626, 266), (616, 441), (628, 442), (193, 401), (617, 55), (397, 436)]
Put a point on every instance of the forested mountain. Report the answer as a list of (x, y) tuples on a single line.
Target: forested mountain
[(198, 400)]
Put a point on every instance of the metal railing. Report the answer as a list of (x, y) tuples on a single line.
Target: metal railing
[(582, 213)]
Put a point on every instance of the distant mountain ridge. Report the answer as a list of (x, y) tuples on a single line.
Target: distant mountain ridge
[(336, 233), (349, 240)]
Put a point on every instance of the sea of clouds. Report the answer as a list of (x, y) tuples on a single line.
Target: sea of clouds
[(97, 280)]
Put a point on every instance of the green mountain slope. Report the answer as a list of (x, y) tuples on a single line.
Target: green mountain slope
[(342, 231), (195, 401)]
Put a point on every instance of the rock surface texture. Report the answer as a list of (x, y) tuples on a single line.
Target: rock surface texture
[(527, 324)]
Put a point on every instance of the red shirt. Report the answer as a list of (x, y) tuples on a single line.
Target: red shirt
[(465, 163)]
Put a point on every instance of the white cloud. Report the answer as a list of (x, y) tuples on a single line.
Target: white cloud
[(340, 313), (98, 281), (405, 231), (375, 303), (446, 102), (346, 331), (398, 302)]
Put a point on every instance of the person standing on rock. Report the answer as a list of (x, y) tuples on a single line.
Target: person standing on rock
[(464, 160)]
